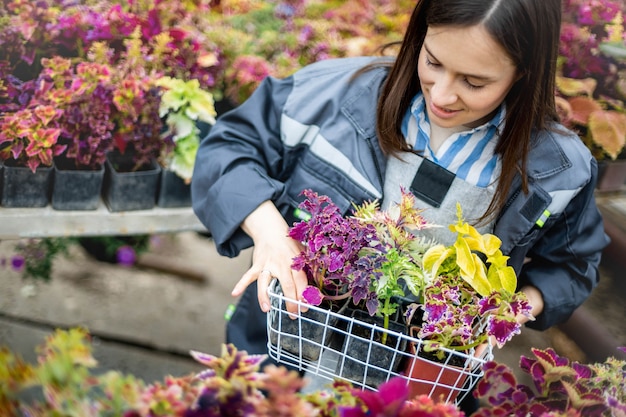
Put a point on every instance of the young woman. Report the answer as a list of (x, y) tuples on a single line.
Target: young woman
[(464, 113)]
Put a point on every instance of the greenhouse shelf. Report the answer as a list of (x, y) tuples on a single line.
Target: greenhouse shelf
[(16, 223)]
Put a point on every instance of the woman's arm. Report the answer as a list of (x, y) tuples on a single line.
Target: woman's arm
[(564, 261), (273, 254), (238, 165)]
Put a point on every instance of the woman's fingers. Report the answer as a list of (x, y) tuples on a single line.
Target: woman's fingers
[(289, 282), (263, 282), (246, 279)]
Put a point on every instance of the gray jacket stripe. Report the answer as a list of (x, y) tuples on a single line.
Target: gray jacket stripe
[(294, 133), (560, 200)]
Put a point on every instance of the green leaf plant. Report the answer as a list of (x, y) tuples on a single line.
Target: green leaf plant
[(471, 294), (184, 104)]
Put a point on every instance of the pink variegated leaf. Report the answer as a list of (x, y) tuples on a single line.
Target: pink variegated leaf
[(312, 295), (17, 149), (33, 163)]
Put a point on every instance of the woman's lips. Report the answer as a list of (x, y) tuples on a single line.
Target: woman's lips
[(442, 113)]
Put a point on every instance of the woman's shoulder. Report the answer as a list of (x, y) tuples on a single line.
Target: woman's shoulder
[(335, 80), (346, 64), (558, 149)]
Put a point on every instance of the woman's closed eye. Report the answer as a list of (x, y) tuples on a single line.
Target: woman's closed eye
[(431, 63), (466, 81), (470, 85)]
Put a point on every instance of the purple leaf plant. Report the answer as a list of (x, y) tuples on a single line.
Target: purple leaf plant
[(363, 257), (560, 387)]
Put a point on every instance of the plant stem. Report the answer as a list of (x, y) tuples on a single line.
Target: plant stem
[(385, 323)]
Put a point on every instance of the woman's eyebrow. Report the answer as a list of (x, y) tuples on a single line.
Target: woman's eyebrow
[(477, 77)]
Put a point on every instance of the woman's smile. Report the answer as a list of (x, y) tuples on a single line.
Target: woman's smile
[(441, 112)]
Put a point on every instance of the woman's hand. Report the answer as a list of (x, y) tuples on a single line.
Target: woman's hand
[(535, 299), (273, 255)]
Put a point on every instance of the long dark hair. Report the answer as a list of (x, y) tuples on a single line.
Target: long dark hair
[(528, 30)]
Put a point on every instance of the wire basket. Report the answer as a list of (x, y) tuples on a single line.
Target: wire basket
[(344, 344)]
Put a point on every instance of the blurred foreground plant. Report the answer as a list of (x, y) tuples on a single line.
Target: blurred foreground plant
[(67, 376), (561, 388)]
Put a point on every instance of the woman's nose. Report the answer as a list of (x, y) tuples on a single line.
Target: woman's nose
[(443, 92)]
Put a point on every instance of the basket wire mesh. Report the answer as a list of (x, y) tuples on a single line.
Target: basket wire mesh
[(331, 344)]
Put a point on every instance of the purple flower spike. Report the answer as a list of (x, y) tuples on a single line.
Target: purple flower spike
[(18, 262), (126, 256)]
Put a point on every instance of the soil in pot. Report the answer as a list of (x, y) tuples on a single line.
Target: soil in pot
[(365, 360), (307, 334), (74, 188), (22, 187)]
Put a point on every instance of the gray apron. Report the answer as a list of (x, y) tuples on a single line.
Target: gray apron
[(437, 191)]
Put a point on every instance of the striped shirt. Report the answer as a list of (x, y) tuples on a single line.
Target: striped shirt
[(468, 154)]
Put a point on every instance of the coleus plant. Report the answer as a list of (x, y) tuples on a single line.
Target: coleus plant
[(84, 94), (365, 257), (561, 387), (591, 84), (332, 244), (29, 137), (472, 295), (183, 105), (233, 385)]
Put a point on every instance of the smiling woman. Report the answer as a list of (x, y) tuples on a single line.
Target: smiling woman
[(465, 113)]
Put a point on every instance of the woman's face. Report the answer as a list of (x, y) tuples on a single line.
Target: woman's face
[(464, 75)]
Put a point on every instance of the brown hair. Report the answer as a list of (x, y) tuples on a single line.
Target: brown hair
[(528, 30)]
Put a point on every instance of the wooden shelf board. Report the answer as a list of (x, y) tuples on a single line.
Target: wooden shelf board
[(18, 223)]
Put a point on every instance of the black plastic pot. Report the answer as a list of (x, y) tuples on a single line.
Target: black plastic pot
[(365, 360), (125, 190), (23, 188), (76, 189), (173, 191), (611, 175), (307, 334)]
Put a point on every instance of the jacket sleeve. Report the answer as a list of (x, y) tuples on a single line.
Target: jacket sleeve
[(564, 261), (237, 165)]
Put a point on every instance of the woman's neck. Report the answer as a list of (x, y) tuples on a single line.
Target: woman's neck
[(438, 135)]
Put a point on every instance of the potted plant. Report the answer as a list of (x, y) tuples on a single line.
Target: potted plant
[(591, 85), (83, 92), (462, 300), (389, 266), (184, 105), (362, 259), (141, 136), (138, 42), (131, 168), (331, 249), (28, 144), (470, 300)]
